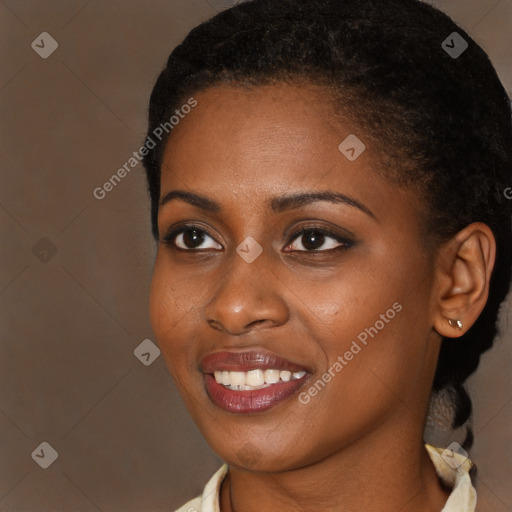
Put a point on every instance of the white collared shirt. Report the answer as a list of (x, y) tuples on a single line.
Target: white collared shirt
[(453, 470)]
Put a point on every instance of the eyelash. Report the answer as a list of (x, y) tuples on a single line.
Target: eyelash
[(169, 238), (346, 243)]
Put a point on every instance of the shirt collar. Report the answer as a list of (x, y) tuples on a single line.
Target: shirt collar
[(453, 469)]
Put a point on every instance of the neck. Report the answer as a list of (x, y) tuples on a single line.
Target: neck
[(385, 473)]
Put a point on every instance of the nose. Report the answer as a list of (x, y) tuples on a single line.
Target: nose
[(247, 297)]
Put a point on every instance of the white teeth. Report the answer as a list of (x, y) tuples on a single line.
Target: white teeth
[(237, 378), (285, 375), (255, 379), (271, 376)]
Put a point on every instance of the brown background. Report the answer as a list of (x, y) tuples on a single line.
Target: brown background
[(71, 319)]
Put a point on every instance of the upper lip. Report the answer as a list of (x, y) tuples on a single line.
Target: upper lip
[(247, 360)]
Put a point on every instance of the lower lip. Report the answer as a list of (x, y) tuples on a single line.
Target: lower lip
[(248, 401)]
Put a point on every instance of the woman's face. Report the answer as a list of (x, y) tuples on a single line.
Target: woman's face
[(238, 288)]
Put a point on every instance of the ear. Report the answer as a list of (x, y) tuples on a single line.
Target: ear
[(463, 273)]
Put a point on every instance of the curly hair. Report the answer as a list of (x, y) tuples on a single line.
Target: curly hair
[(440, 124)]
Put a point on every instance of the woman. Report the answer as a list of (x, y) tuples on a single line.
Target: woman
[(327, 182)]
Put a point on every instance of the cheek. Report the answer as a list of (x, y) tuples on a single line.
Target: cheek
[(388, 357), (168, 311), (371, 318), (342, 306), (161, 311), (171, 299)]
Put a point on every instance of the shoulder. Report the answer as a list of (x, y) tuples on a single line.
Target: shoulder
[(209, 500)]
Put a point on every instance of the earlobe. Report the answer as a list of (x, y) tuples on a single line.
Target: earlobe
[(463, 273)]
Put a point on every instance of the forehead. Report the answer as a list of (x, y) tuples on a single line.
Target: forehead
[(273, 122), (243, 144)]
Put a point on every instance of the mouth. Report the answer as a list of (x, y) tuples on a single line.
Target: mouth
[(245, 382), (255, 379)]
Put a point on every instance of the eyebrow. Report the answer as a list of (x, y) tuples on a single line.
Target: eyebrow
[(277, 204)]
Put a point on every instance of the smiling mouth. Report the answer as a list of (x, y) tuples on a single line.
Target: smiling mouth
[(253, 391), (255, 379), (251, 381)]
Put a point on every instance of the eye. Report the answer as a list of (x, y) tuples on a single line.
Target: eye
[(190, 238), (317, 239)]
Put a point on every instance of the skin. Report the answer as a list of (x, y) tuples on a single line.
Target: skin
[(240, 148)]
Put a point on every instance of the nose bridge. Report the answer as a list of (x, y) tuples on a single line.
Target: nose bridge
[(246, 295)]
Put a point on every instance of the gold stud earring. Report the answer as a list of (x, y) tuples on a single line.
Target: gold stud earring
[(456, 324)]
